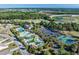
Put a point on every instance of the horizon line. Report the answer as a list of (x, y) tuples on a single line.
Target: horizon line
[(39, 6)]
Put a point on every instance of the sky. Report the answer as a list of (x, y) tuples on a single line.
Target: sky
[(39, 5)]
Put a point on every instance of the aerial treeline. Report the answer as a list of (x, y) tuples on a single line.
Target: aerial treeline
[(60, 12), (22, 15), (61, 26)]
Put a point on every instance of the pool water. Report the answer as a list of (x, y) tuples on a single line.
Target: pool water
[(70, 41), (66, 39), (20, 29)]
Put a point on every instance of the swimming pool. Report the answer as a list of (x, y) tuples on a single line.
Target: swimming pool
[(20, 29), (63, 38), (66, 39), (30, 38)]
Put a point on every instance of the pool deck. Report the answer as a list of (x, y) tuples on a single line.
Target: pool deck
[(24, 33)]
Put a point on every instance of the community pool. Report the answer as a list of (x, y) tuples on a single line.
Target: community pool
[(30, 38), (63, 38)]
